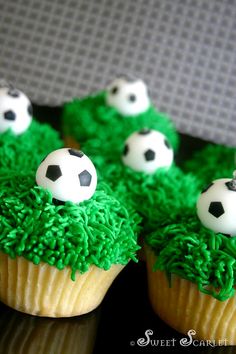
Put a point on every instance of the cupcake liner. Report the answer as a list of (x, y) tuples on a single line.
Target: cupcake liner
[(34, 335), (182, 306), (43, 290)]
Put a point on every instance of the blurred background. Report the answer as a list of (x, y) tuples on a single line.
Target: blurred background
[(185, 50)]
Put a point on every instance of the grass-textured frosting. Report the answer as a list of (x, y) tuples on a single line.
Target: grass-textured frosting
[(157, 197), (25, 151), (101, 132), (182, 245), (197, 254), (212, 162), (90, 118), (99, 231)]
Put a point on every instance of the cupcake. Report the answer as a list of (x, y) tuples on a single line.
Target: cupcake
[(63, 239), (191, 264), (36, 335), (131, 144), (23, 141), (110, 116)]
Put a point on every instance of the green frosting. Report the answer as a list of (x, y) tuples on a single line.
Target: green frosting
[(100, 231), (25, 151), (90, 117), (102, 132), (212, 162), (152, 195), (189, 250), (166, 199), (183, 246)]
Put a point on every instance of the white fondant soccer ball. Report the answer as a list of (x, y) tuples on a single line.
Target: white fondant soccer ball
[(128, 97), (15, 110), (147, 150), (68, 174), (216, 207)]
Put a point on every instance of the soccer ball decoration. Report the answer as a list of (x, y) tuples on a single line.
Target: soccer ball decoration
[(68, 174), (128, 97), (216, 206), (15, 110), (147, 150)]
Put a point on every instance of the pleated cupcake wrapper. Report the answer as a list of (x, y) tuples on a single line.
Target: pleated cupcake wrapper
[(44, 290), (23, 334), (184, 307)]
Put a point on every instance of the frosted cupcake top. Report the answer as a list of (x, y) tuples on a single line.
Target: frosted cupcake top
[(159, 198), (92, 118), (25, 151), (187, 248), (23, 142), (103, 123), (99, 231)]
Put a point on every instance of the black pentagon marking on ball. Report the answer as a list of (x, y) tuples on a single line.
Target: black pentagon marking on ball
[(126, 150), (144, 131), (30, 109), (231, 186), (53, 172), (149, 155), (9, 115), (85, 178), (207, 187), (76, 153), (167, 144), (114, 90), (216, 209), (132, 98), (13, 93)]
